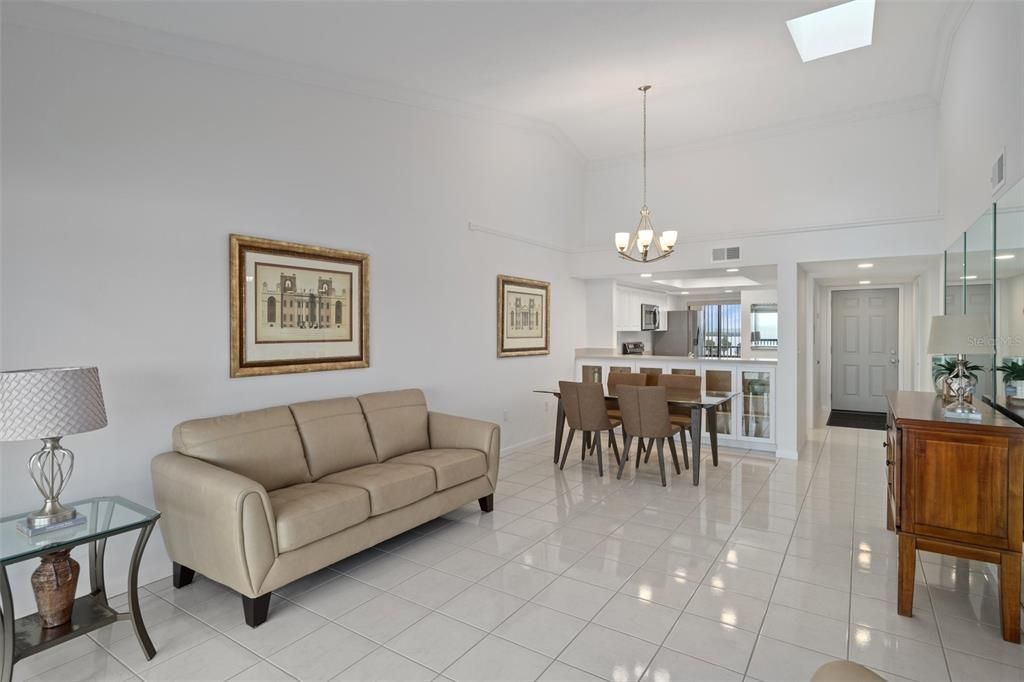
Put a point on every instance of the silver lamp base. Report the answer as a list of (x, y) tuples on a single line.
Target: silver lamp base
[(52, 512), (51, 469)]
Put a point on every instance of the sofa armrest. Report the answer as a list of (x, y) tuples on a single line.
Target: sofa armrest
[(215, 521), (449, 431)]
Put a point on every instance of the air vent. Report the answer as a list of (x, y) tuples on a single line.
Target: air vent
[(725, 254), (998, 178)]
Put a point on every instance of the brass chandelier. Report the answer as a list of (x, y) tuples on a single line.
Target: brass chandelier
[(642, 245)]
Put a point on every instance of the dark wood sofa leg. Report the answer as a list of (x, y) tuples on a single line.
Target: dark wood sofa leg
[(256, 609), (183, 575), (487, 503)]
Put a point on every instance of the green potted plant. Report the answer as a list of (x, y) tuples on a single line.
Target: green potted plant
[(1013, 378), (943, 366)]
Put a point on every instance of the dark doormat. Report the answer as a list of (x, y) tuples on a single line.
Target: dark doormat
[(857, 420)]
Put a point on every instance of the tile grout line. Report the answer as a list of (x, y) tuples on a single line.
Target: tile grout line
[(591, 620), (803, 502), (664, 639)]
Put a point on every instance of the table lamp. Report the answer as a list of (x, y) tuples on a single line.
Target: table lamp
[(959, 335), (49, 404)]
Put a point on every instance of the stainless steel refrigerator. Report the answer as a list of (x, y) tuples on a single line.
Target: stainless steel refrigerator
[(683, 336)]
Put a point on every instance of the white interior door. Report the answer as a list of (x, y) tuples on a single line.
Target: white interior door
[(865, 348)]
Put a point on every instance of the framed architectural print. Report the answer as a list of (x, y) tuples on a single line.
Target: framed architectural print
[(524, 316), (297, 308)]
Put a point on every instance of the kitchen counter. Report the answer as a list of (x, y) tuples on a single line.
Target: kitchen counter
[(611, 353)]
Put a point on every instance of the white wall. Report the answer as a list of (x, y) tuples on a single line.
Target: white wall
[(124, 171), (982, 110), (873, 169)]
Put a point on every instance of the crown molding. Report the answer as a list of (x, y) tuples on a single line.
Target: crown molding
[(897, 107), (948, 29), (722, 237), (504, 234), (73, 22)]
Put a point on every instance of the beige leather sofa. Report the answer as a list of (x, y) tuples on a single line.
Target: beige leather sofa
[(258, 499)]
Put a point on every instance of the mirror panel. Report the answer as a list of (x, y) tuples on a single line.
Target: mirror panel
[(1009, 296), (978, 296)]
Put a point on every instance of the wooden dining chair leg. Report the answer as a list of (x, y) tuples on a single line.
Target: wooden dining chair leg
[(627, 440), (568, 444), (675, 457), (613, 444), (650, 447), (600, 463), (661, 461), (686, 455)]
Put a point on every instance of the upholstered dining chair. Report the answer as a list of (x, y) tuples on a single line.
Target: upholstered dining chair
[(645, 415), (681, 415), (585, 411), (626, 379)]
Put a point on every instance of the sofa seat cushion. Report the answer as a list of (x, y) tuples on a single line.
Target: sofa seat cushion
[(451, 467), (308, 512), (389, 485)]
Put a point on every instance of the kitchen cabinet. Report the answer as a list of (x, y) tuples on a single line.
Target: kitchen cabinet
[(757, 403), (627, 302)]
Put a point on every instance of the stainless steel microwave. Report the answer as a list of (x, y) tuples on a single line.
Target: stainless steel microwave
[(650, 315)]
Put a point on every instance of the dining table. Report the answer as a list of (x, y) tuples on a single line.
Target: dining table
[(697, 402)]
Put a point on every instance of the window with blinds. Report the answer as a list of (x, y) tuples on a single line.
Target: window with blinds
[(722, 330)]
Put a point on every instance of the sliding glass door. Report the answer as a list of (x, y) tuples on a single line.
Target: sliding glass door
[(722, 330)]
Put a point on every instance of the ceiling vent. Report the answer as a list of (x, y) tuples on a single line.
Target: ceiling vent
[(725, 254), (998, 178)]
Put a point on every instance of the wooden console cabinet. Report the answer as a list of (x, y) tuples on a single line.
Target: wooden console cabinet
[(956, 487)]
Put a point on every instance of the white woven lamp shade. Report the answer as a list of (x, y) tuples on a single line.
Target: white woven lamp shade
[(47, 403)]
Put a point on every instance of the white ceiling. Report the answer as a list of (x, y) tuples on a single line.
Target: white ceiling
[(884, 271), (719, 68), (705, 281)]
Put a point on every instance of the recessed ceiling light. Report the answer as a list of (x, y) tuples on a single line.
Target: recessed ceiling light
[(969, 277), (864, 281), (646, 274), (728, 291), (865, 266), (732, 270), (1005, 256), (833, 30)]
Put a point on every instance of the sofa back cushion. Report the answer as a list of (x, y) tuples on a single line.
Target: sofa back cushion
[(335, 435), (397, 421), (263, 445)]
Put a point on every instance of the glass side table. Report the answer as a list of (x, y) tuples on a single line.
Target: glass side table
[(105, 517)]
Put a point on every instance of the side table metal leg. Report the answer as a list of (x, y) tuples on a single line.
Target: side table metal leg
[(7, 627), (97, 578), (133, 593)]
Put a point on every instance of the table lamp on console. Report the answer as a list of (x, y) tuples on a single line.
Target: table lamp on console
[(49, 404), (960, 335)]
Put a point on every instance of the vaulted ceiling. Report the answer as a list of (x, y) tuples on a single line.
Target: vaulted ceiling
[(719, 68)]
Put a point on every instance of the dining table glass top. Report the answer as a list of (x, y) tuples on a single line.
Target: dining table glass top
[(676, 396)]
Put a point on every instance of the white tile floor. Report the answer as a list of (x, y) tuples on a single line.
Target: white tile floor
[(763, 572)]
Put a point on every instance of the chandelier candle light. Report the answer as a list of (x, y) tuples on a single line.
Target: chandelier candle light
[(49, 404), (637, 245)]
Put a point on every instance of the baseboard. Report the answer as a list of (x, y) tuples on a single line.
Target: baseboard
[(509, 449)]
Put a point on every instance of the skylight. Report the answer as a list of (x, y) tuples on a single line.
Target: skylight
[(833, 30)]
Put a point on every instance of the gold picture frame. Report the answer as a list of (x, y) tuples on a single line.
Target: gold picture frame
[(524, 317), (297, 307)]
